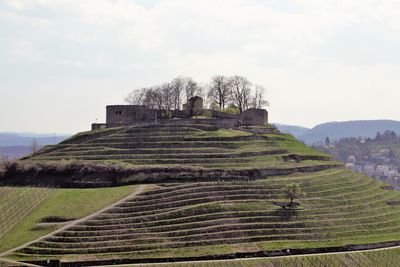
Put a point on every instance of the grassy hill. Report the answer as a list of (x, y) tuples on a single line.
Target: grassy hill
[(17, 203), (199, 145), (217, 192)]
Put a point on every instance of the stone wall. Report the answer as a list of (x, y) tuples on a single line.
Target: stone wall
[(223, 115), (125, 114), (96, 126), (256, 117)]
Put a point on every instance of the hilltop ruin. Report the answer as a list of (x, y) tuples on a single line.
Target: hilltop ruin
[(125, 115)]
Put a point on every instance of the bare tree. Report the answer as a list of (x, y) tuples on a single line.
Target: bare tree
[(3, 165), (258, 100), (34, 146), (192, 88), (151, 98), (137, 96), (167, 99), (241, 92), (177, 87), (220, 90)]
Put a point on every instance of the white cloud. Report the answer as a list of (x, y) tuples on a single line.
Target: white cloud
[(26, 50), (294, 47), (17, 4)]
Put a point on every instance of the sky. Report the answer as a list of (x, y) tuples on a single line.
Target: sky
[(63, 61)]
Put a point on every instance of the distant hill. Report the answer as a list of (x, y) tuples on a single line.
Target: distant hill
[(23, 139), (16, 145), (292, 129), (14, 152), (337, 130)]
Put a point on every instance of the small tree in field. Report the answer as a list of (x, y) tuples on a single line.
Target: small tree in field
[(293, 191)]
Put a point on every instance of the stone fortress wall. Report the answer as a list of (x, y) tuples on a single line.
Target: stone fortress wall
[(122, 115)]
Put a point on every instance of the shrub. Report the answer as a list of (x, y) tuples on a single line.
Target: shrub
[(207, 114), (293, 191), (2, 167), (55, 219), (231, 110)]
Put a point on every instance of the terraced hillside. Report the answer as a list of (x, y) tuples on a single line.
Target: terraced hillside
[(189, 145), (229, 215), (208, 218), (27, 213)]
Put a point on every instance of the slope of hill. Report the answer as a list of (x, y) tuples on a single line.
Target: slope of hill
[(30, 212), (230, 200), (17, 204), (337, 130), (176, 152)]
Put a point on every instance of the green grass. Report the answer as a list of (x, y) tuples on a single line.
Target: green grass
[(17, 203), (193, 219), (90, 134), (119, 145), (69, 203), (222, 133), (212, 215)]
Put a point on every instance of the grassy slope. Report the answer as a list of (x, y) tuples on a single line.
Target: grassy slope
[(69, 203), (17, 203), (107, 148), (338, 208)]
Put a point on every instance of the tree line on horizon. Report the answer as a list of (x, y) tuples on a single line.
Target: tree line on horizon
[(230, 94), (387, 135)]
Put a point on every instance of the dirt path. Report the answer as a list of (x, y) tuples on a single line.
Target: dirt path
[(139, 190)]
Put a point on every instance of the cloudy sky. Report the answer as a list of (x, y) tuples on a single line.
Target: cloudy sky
[(63, 61)]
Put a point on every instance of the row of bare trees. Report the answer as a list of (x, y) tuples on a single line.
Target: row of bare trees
[(237, 91), (221, 92), (167, 96)]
